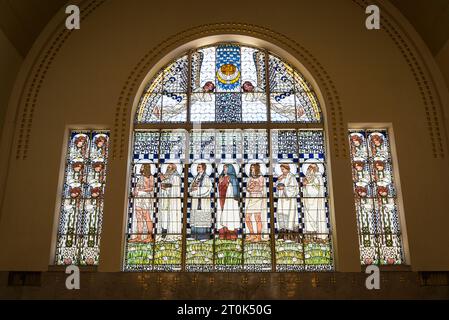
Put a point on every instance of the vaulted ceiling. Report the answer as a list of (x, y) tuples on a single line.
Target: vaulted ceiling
[(430, 18), (23, 20)]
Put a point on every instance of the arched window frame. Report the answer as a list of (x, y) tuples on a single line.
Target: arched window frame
[(267, 125)]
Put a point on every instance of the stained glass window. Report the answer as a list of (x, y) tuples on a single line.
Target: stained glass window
[(375, 198), (79, 232), (246, 198), (229, 83)]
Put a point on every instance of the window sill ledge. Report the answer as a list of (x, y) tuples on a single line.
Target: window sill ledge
[(63, 268)]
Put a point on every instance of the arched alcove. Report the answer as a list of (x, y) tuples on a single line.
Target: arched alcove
[(228, 105)]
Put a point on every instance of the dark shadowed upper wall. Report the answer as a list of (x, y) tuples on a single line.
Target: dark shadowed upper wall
[(430, 18), (23, 20)]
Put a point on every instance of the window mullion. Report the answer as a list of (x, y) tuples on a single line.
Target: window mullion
[(189, 85), (267, 88), (271, 195)]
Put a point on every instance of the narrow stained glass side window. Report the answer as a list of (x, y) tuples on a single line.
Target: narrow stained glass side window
[(375, 197), (80, 220)]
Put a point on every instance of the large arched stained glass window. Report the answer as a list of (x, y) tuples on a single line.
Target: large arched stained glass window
[(228, 167)]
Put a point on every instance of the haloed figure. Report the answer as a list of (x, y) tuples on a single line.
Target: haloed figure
[(97, 174), (80, 146), (99, 149), (377, 142), (358, 166), (379, 172), (357, 149), (144, 203), (255, 202), (77, 172)]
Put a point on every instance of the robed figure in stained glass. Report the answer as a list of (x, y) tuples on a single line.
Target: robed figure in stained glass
[(366, 223), (287, 205), (99, 148), (313, 200), (256, 204), (76, 175), (200, 190), (229, 212), (80, 147), (72, 210), (97, 173), (357, 145), (91, 223), (170, 201), (377, 144)]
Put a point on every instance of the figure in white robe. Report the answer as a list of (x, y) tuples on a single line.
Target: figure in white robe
[(170, 201), (287, 205), (200, 191), (229, 211), (314, 202)]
